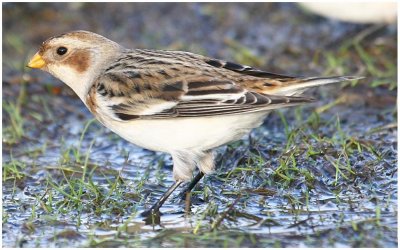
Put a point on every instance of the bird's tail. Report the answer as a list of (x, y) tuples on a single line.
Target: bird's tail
[(299, 85)]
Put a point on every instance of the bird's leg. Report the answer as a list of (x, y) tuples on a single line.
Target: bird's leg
[(191, 185), (155, 208)]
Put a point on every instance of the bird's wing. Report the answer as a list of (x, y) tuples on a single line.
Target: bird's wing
[(276, 84), (150, 94), (247, 70)]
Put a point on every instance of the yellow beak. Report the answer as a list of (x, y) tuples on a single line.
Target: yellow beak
[(36, 62)]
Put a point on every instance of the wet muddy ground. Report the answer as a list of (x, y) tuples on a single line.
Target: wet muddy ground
[(320, 175)]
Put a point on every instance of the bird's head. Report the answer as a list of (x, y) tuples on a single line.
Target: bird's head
[(76, 58)]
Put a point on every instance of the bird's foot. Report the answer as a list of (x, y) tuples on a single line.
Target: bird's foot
[(151, 216)]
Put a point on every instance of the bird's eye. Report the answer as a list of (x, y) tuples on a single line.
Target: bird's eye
[(61, 50)]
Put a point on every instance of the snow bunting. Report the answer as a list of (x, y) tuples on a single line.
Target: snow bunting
[(176, 102)]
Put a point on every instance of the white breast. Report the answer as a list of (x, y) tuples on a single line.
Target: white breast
[(169, 135)]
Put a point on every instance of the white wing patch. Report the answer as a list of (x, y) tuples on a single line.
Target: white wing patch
[(157, 108), (217, 96)]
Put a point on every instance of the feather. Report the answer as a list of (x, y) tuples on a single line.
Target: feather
[(300, 84), (148, 84)]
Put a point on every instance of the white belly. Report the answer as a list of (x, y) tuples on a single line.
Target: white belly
[(168, 135)]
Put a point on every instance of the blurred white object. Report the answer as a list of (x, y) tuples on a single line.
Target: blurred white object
[(357, 12)]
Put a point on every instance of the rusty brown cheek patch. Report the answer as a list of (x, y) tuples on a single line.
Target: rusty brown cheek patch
[(78, 60)]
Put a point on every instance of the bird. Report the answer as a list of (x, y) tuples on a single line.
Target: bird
[(176, 102)]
